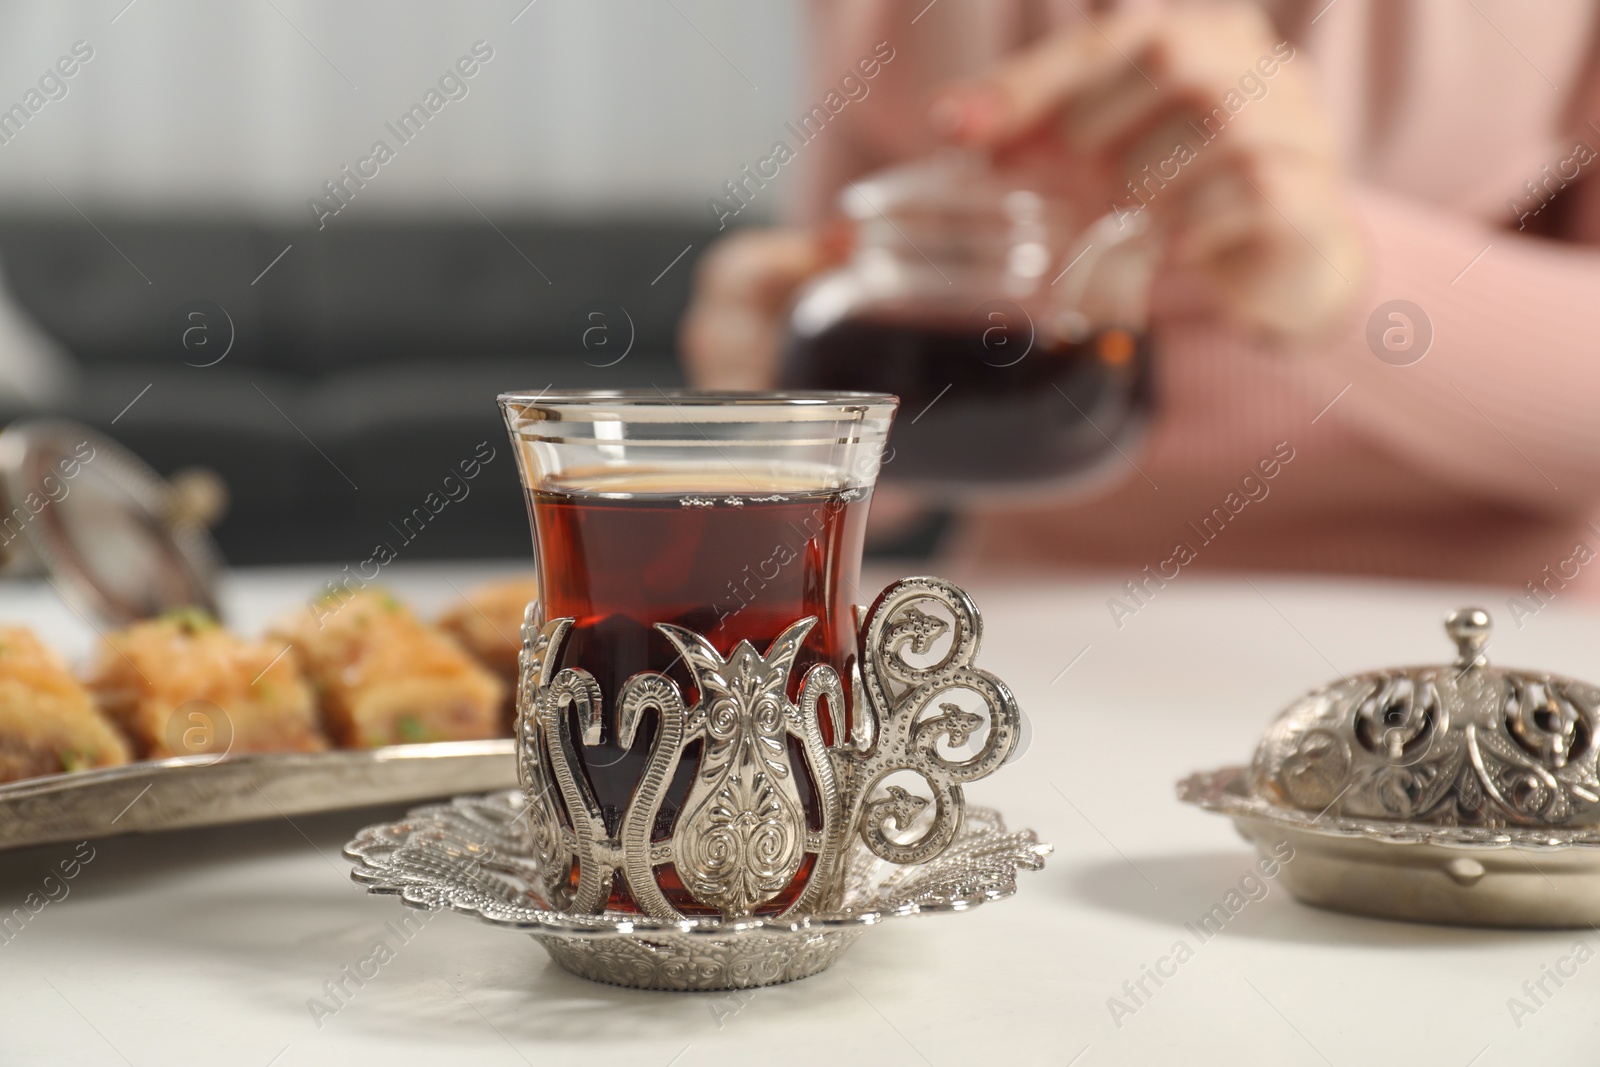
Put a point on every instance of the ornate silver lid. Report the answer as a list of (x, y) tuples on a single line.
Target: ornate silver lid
[(1458, 745)]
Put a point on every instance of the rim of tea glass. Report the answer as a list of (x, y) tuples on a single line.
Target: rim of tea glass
[(824, 403), (781, 439)]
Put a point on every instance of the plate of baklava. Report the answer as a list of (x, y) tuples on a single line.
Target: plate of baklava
[(178, 722)]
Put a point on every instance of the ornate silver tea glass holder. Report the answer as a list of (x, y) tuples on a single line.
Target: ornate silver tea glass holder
[(544, 862), (1459, 793)]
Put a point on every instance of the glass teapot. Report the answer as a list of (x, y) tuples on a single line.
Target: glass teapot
[(1011, 324)]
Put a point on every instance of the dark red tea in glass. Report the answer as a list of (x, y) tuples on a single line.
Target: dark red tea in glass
[(732, 516)]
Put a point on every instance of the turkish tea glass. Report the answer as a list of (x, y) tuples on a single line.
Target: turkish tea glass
[(733, 516)]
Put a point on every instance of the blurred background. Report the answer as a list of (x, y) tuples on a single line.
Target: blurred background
[(540, 229), (305, 245)]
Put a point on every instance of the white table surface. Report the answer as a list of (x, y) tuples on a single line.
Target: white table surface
[(206, 946)]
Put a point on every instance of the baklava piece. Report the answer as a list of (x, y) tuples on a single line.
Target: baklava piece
[(386, 678), (48, 721), (181, 685), (489, 625)]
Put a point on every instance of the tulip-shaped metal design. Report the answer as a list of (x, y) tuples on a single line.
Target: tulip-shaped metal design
[(741, 836)]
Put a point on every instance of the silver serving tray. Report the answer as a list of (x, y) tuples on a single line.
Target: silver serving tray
[(191, 791)]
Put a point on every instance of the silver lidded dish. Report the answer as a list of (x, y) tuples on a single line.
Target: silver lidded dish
[(1460, 793)]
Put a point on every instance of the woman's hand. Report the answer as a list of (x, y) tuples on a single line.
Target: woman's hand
[(1209, 116), (1203, 117), (733, 331)]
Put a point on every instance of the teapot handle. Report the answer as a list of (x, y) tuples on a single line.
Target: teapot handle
[(1084, 257)]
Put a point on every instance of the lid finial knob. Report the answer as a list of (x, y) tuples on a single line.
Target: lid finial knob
[(1469, 629)]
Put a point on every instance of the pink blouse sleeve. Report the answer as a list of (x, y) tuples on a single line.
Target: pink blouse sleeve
[(1506, 401)]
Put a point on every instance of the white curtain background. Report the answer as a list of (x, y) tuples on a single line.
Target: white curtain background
[(248, 106)]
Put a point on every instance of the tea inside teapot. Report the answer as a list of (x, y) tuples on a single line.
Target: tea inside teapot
[(1013, 334)]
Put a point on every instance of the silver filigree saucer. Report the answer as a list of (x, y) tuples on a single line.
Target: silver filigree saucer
[(474, 855)]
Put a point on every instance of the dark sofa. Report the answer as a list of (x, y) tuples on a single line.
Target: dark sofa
[(364, 362)]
